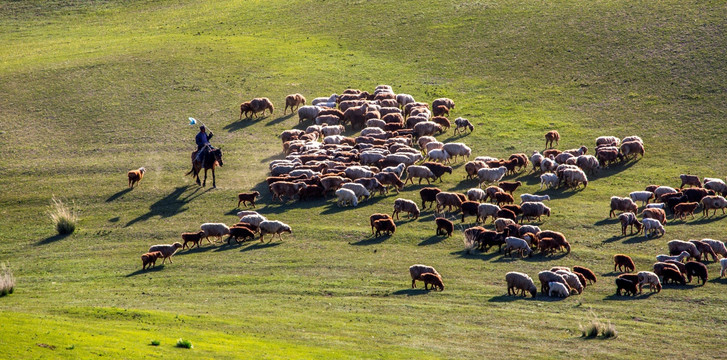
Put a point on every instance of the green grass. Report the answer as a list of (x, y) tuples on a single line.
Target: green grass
[(92, 90)]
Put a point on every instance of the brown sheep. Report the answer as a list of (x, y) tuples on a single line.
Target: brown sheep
[(503, 198), (660, 266), (628, 286), (387, 179), (444, 225), (135, 176), (697, 269), (704, 249), (285, 188), (429, 194), (193, 237), (469, 208), (670, 275), (472, 167), (509, 186), (507, 214), (549, 152), (691, 180), (547, 245), (684, 209), (150, 259), (244, 198), (255, 106), (622, 204), (375, 217), (557, 236), (384, 225), (438, 169), (621, 260), (449, 200), (293, 101), (240, 232), (653, 213), (440, 111), (586, 272), (551, 136), (442, 121), (432, 279)]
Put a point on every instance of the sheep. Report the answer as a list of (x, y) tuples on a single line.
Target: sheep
[(622, 204), (586, 272), (240, 232), (679, 258), (444, 225), (294, 101), (691, 180), (421, 172), (663, 190), (503, 198), (717, 246), (660, 266), (488, 175), (643, 196), (255, 106), (375, 217), (345, 197), (330, 130), (652, 226), (214, 229), (506, 213), (464, 124), (384, 225), (572, 279), (678, 246), (588, 163), (253, 220), (629, 219), (558, 290), (626, 285), (332, 183), (509, 186), (135, 176), (378, 123), (150, 259), (167, 250), (655, 206), (490, 192), (371, 185), (502, 223), (427, 128), (524, 229), (563, 157), (697, 194), (608, 140), (244, 198), (713, 202), (372, 130), (549, 180), (471, 167), (723, 264), (520, 281), (518, 245), (359, 190), (438, 155), (429, 194), (575, 177), (650, 278), (274, 227), (193, 237), (447, 199), (558, 237), (476, 194), (357, 172), (417, 270), (432, 145), (407, 206), (533, 209), (547, 164), (684, 209), (621, 260), (632, 147), (673, 276), (551, 136), (404, 99), (469, 208), (388, 179), (680, 265), (398, 170), (285, 188), (457, 149), (657, 214), (717, 186), (438, 169), (486, 210), (308, 112), (432, 279), (704, 249), (697, 269), (632, 138)]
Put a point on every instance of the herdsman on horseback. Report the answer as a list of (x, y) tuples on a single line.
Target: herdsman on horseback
[(206, 157)]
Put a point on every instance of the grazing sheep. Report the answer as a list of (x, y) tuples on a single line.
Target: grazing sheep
[(622, 204), (358, 189), (471, 167), (586, 272), (502, 223), (486, 210), (255, 106), (375, 217), (384, 225), (194, 238), (621, 260), (421, 172), (150, 259), (438, 169), (167, 250), (713, 202), (666, 258), (519, 245), (547, 246), (678, 246), (432, 279), (417, 270), (660, 266), (680, 265), (655, 206), (503, 198), (558, 237), (652, 226), (717, 246), (533, 209), (488, 175), (549, 180), (704, 249), (464, 124), (632, 147), (573, 280), (490, 192), (438, 155), (390, 179), (469, 208), (588, 163), (691, 180), (547, 277), (563, 157), (346, 197), (398, 170), (684, 209), (444, 225), (507, 214), (281, 189), (476, 194), (672, 276), (135, 176), (407, 206), (449, 200), (548, 164), (718, 186), (240, 232), (520, 281), (558, 290), (643, 196), (509, 186), (608, 140), (551, 136), (244, 198), (308, 112), (457, 149), (428, 194), (723, 264), (629, 219), (404, 99), (628, 286), (649, 278), (215, 229), (657, 214), (427, 128), (330, 130), (274, 227), (293, 101), (697, 269)]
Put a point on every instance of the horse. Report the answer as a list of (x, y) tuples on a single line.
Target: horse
[(209, 159)]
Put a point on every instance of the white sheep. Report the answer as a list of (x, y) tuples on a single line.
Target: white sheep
[(281, 169), (345, 197), (649, 278), (398, 170), (652, 226), (358, 189), (332, 130), (357, 172), (308, 173), (549, 180), (717, 185), (433, 145), (723, 263), (308, 112), (663, 190), (520, 281), (375, 123), (214, 229), (571, 279), (476, 194), (632, 138), (717, 246), (588, 163), (318, 100), (274, 227), (438, 155), (533, 209), (485, 159), (485, 210), (536, 159), (529, 229), (253, 220), (243, 213), (457, 149), (533, 198), (677, 258), (404, 99), (548, 165), (372, 131), (575, 177), (502, 223), (677, 246), (489, 175), (558, 289), (608, 140), (167, 250), (421, 172), (517, 244), (370, 157), (404, 158), (424, 140)]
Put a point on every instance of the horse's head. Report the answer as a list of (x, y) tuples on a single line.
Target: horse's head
[(218, 156)]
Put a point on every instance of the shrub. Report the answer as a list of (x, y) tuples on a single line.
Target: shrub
[(181, 343), (7, 280), (597, 327), (64, 218), (156, 342)]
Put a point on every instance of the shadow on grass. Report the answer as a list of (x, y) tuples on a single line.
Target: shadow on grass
[(411, 292), (148, 270), (433, 240), (171, 204), (509, 298), (607, 221), (240, 124), (719, 280), (260, 245), (705, 220), (637, 239), (279, 119), (643, 295), (118, 194), (196, 250), (371, 240), (52, 239)]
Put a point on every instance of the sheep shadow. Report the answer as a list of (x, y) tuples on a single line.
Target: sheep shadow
[(638, 239), (118, 194), (371, 241), (643, 295), (239, 124), (509, 298), (613, 238), (705, 220), (543, 258), (411, 292), (465, 184), (333, 208), (170, 205), (278, 120), (196, 250), (260, 245), (51, 239), (484, 256), (435, 239), (145, 271), (232, 245), (607, 221), (719, 280)]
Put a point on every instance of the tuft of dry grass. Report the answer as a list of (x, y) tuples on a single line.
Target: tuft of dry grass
[(596, 327), (7, 280), (64, 217)]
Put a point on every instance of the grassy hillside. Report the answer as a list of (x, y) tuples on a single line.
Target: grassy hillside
[(92, 90)]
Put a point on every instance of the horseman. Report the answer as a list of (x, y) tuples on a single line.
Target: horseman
[(203, 142)]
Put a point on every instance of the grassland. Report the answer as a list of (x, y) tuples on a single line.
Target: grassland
[(91, 90)]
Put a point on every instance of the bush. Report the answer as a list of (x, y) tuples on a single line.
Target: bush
[(181, 343), (156, 342), (596, 327), (7, 280), (64, 218)]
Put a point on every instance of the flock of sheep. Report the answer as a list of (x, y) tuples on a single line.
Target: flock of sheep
[(396, 143)]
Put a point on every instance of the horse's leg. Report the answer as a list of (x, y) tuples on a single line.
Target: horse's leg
[(204, 183), (214, 185)]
